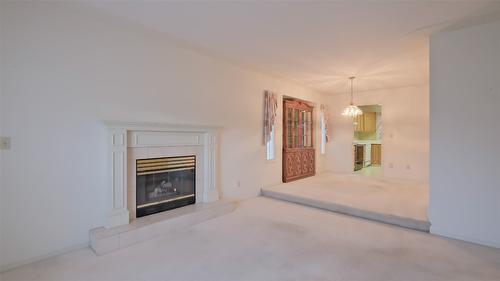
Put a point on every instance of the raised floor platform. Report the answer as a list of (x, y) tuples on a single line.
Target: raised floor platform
[(398, 202)]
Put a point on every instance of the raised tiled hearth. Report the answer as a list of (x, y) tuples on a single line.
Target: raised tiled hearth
[(105, 240)]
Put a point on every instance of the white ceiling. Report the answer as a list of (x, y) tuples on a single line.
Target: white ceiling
[(318, 44)]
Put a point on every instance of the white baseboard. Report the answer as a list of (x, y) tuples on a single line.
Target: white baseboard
[(440, 232), (10, 266)]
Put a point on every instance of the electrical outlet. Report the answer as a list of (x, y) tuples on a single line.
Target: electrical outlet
[(4, 143), (408, 167), (238, 183), (391, 165)]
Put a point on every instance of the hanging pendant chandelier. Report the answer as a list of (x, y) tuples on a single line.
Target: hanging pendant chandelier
[(352, 110)]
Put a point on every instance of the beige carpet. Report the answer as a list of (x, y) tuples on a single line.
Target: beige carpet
[(266, 239)]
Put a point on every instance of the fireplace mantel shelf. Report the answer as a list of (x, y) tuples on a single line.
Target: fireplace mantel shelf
[(164, 127)]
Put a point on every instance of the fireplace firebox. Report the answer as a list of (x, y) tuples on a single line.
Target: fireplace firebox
[(164, 183)]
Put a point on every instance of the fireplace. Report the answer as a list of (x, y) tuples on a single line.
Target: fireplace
[(164, 183)]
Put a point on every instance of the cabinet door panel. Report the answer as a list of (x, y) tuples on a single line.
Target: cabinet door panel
[(359, 123), (366, 122), (376, 154), (370, 122)]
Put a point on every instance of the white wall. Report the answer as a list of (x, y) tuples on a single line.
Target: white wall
[(1, 153), (65, 69), (465, 111), (405, 140)]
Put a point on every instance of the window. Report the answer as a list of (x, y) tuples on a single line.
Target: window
[(270, 146), (323, 134)]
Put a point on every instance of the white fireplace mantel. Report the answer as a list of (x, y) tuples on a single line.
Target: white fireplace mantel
[(125, 135)]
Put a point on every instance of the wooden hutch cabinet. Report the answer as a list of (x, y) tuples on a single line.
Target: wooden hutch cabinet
[(298, 144)]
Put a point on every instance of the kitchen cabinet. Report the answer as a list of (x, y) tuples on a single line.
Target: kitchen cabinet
[(366, 122), (358, 123), (376, 154), (359, 156)]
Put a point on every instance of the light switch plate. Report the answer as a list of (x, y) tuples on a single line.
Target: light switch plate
[(4, 143)]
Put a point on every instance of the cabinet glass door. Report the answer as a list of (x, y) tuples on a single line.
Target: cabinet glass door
[(296, 128), (289, 133), (307, 131)]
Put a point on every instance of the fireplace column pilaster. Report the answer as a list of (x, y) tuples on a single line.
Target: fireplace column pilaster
[(119, 214), (210, 191)]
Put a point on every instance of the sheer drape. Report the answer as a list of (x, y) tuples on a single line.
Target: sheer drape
[(270, 108), (326, 118)]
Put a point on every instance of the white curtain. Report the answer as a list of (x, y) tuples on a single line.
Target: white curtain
[(270, 108), (326, 118)]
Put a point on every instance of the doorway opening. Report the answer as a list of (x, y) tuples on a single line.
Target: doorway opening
[(367, 142)]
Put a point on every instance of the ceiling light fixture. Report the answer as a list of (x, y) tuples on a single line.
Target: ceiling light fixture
[(352, 110)]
